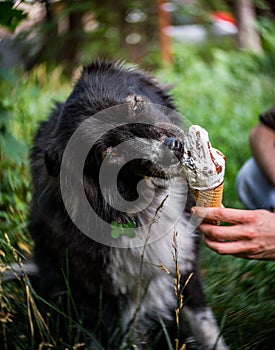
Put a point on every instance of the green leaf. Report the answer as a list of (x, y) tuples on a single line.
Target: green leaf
[(4, 118), (10, 17), (11, 147)]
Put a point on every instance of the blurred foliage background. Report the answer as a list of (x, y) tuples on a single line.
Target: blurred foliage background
[(217, 80)]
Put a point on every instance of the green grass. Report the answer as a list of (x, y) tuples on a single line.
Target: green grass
[(223, 94), (27, 99)]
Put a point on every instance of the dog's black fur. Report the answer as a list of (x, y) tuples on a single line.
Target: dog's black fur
[(104, 284)]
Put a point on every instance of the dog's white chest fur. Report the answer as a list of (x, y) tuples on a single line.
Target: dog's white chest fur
[(144, 266)]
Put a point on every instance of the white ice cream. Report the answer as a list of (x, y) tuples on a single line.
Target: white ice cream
[(204, 166)]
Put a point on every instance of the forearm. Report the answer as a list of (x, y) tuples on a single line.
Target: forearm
[(262, 143)]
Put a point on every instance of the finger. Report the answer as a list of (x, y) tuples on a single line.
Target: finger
[(238, 248), (224, 233), (224, 214)]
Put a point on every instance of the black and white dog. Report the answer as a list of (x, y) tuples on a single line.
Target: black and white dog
[(111, 219)]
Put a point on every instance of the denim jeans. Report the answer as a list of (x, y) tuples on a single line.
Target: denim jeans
[(253, 188)]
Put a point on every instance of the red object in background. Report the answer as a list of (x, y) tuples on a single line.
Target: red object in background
[(223, 23), (224, 16)]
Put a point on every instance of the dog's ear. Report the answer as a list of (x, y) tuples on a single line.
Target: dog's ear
[(52, 160)]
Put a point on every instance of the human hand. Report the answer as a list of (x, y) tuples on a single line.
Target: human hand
[(251, 234)]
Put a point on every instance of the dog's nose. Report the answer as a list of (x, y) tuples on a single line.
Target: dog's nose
[(176, 146), (173, 144)]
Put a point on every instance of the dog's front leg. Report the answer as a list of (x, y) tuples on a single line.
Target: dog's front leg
[(200, 317)]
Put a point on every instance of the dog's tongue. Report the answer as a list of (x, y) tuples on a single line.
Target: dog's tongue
[(204, 165)]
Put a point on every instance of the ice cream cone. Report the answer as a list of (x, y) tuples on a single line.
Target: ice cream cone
[(204, 168), (209, 198)]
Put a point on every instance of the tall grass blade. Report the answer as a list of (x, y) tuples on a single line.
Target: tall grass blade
[(169, 343)]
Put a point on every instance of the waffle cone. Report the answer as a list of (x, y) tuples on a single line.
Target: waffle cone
[(209, 198)]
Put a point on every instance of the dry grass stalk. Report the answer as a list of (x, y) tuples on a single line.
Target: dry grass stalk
[(140, 282), (44, 345), (164, 268), (39, 320), (32, 309), (5, 308), (77, 346), (5, 316), (178, 289)]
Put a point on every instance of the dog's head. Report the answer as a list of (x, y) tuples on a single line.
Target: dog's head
[(125, 124)]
